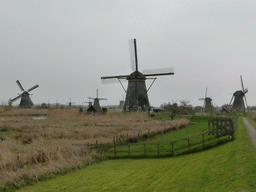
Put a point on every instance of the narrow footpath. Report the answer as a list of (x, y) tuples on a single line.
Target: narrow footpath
[(251, 130)]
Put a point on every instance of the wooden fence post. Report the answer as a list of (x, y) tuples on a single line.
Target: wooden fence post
[(158, 148), (129, 149), (114, 148), (203, 140), (188, 146)]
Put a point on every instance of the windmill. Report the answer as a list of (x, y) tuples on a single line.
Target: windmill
[(136, 93), (96, 104), (207, 102), (25, 101), (57, 104), (89, 103), (70, 103), (239, 97)]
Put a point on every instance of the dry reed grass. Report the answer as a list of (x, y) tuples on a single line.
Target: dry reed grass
[(30, 148)]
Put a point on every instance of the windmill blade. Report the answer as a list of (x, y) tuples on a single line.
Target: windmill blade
[(16, 98), (133, 54), (158, 72), (231, 100), (32, 88), (118, 77), (246, 101), (201, 98), (206, 92), (102, 98), (242, 83), (114, 79), (20, 86)]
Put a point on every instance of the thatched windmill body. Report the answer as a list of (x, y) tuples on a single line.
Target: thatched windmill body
[(239, 97), (96, 104), (137, 93), (25, 101), (207, 102)]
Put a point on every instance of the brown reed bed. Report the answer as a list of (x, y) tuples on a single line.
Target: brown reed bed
[(30, 148)]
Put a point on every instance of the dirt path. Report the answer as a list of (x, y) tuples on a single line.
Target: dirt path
[(251, 130)]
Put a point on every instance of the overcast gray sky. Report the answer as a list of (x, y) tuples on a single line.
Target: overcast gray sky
[(66, 46)]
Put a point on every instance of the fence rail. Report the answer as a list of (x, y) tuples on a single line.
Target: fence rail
[(217, 128)]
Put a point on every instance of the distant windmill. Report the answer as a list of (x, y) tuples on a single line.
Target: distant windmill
[(96, 104), (207, 102), (26, 101), (89, 103), (121, 103), (57, 104), (136, 93), (239, 97), (70, 103), (175, 104)]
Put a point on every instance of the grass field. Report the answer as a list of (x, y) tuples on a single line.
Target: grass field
[(227, 167), (38, 142), (198, 124)]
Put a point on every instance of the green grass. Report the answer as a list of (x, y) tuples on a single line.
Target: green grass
[(252, 122), (227, 167), (198, 125)]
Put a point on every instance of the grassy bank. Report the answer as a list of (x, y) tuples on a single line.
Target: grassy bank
[(228, 167), (32, 147)]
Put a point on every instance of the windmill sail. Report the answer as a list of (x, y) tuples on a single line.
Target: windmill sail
[(133, 54), (20, 86), (158, 72)]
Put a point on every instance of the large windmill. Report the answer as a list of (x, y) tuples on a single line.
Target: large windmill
[(25, 101), (239, 97), (96, 104), (207, 102), (136, 93)]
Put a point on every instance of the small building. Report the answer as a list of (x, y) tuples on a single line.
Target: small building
[(94, 109)]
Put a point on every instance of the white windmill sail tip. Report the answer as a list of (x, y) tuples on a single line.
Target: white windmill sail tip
[(132, 53), (161, 71)]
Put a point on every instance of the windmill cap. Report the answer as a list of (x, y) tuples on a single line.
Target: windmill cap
[(136, 75)]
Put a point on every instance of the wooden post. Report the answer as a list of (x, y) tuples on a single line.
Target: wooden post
[(101, 148), (188, 146), (144, 149), (115, 148), (127, 137), (18, 158), (203, 140), (158, 148), (129, 149)]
